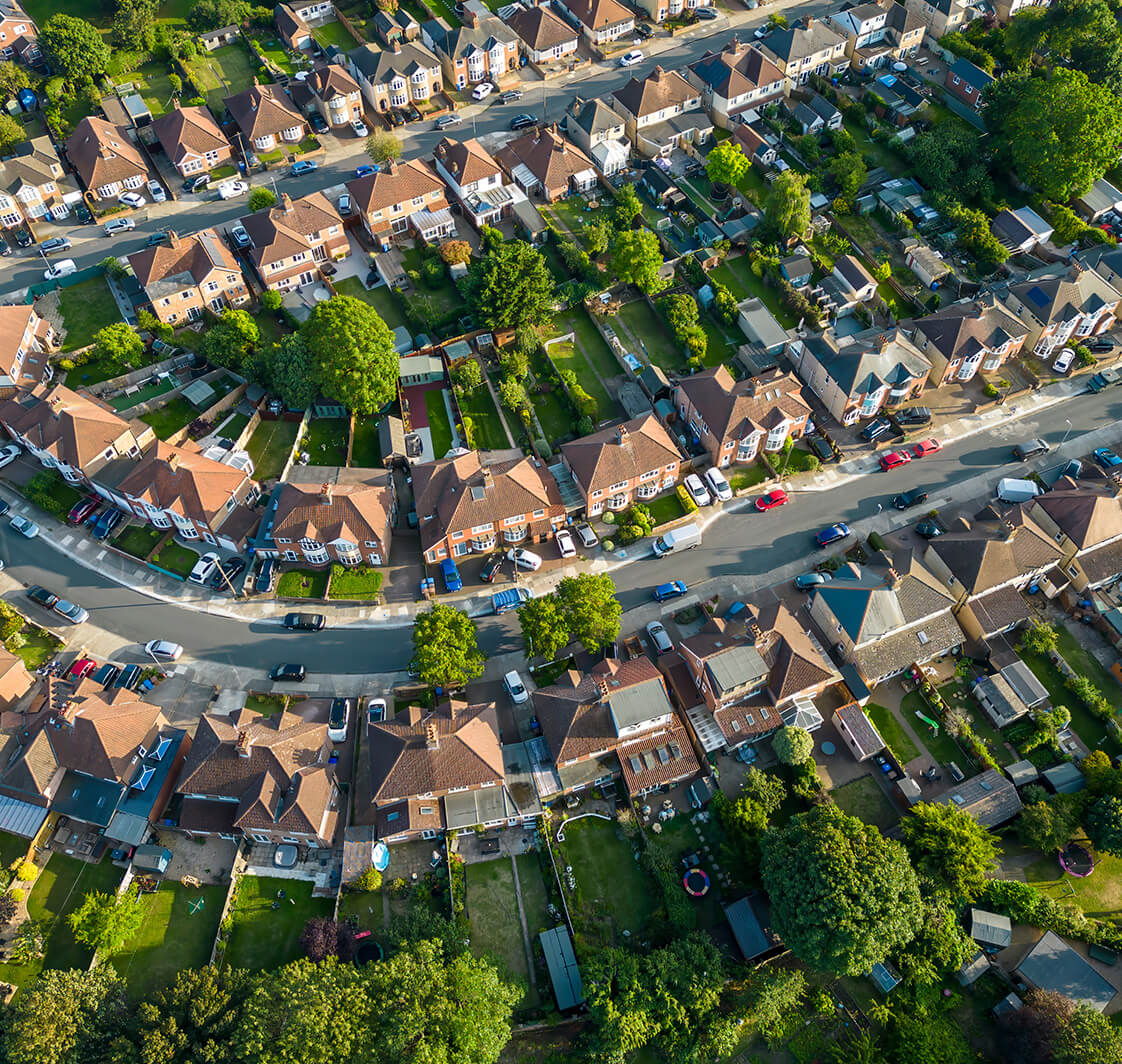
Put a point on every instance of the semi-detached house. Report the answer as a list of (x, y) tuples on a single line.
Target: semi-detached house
[(484, 48), (397, 76), (30, 184), (476, 181), (807, 47), (266, 117), (662, 112), (601, 21), (736, 79), (403, 196), (288, 242), (979, 334), (546, 163), (192, 140), (1086, 522), (335, 95), (26, 343), (19, 36), (105, 159)]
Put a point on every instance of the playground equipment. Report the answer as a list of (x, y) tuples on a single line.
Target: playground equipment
[(1077, 860), (696, 882), (932, 724), (195, 906)]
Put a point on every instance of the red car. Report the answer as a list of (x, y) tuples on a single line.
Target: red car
[(82, 667), (921, 450), (894, 459), (83, 509), (771, 500)]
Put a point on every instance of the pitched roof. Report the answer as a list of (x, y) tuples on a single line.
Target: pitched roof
[(284, 230), (654, 760), (598, 14), (736, 69), (801, 40), (397, 182), (593, 116), (965, 329), (974, 76), (183, 480), (851, 267), (870, 360), (289, 22), (182, 262), (989, 798), (540, 28), (794, 658), (357, 512), (331, 81), (466, 160), (36, 164), (1061, 297), (103, 154), (187, 131), (1053, 965), (464, 42), (1087, 516), (262, 110), (658, 90), (620, 453), (990, 553), (862, 730), (736, 409), (381, 66), (551, 158)]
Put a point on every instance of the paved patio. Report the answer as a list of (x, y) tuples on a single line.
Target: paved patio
[(208, 859)]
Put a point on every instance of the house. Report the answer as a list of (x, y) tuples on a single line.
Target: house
[(483, 48), (1086, 522), (15, 681), (941, 16), (848, 286), (264, 779), (1020, 230), (864, 27), (860, 734), (897, 101), (1058, 307), (925, 262), (476, 181), (476, 502), (397, 76), (104, 760), (808, 46), (756, 147), (600, 132), (335, 95), (968, 336), (760, 326), (662, 112), (543, 162), (660, 10), (192, 140), (735, 420), (423, 760), (289, 241), (884, 619), (988, 797), (26, 343), (966, 82), (1054, 966), (544, 36), (601, 21), (1098, 200), (614, 467), (291, 28), (32, 184), (19, 36), (615, 720), (857, 376), (906, 30), (816, 114), (992, 931), (736, 79), (403, 196), (347, 518), (400, 27), (188, 275), (266, 117), (106, 161)]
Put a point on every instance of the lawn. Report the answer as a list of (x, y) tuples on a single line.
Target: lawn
[(381, 299), (737, 275), (747, 476), (941, 747), (1099, 894), (1086, 664), (224, 72), (152, 81), (591, 342), (149, 391), (86, 308), (439, 425), (535, 898), (719, 349), (168, 420), (176, 558), (361, 582), (172, 937), (487, 429), (492, 909), (266, 705), (269, 447), (557, 421), (864, 799), (892, 732), (326, 441), (13, 848), (366, 448), (444, 294), (264, 937), (565, 356), (654, 336), (234, 426), (665, 508), (139, 540), (271, 48), (795, 460), (1089, 728), (302, 583), (334, 33)]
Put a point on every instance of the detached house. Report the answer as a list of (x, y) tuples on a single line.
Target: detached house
[(335, 95), (662, 112), (1072, 305), (289, 241), (105, 159), (600, 132), (1086, 522), (629, 463), (476, 181), (660, 10), (192, 140), (403, 196), (736, 79), (295, 19), (266, 117), (967, 82), (484, 48), (942, 16), (544, 162), (30, 184), (969, 336), (401, 75), (19, 36), (807, 47), (26, 343), (601, 21), (545, 38), (734, 419), (189, 275), (474, 504)]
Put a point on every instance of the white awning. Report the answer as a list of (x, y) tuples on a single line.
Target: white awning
[(21, 818)]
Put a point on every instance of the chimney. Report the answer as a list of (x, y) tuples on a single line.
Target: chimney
[(623, 437), (1007, 530), (416, 713), (894, 579), (244, 744), (754, 385), (55, 403), (173, 461), (602, 687), (325, 494), (396, 46), (286, 202), (756, 632), (67, 712), (173, 239), (488, 476), (431, 739), (469, 17)]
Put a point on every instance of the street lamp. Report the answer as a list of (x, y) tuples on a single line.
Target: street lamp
[(1068, 433)]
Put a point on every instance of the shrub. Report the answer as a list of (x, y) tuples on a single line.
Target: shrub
[(876, 541), (686, 499), (545, 452), (455, 251), (17, 894), (26, 871), (989, 391), (369, 881), (38, 491), (271, 300), (433, 270)]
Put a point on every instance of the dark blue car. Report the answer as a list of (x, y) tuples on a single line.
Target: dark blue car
[(833, 534), (106, 523), (672, 590)]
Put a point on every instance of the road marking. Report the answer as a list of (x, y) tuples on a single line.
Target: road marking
[(99, 555), (83, 544), (67, 540)]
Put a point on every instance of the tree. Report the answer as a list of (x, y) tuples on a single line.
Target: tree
[(849, 172), (13, 77), (388, 6), (369, 881), (637, 259), (230, 339), (627, 207), (544, 627), (382, 146), (950, 158), (1062, 132), (261, 197), (1049, 825), (787, 210), (792, 745), (353, 352), (727, 164), (454, 252), (1104, 824), (214, 14), (1101, 774), (11, 134), (940, 945), (976, 240), (597, 235), (513, 394), (74, 48), (118, 343), (510, 286), (106, 922), (951, 848), (29, 942), (323, 937), (445, 648), (591, 610), (1053, 1029), (746, 818), (843, 896), (775, 995), (515, 362), (467, 375), (292, 373), (134, 25), (1038, 638), (114, 267)]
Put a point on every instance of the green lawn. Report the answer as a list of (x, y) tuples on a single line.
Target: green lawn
[(381, 299), (439, 425), (654, 336), (719, 348), (224, 72), (334, 33), (492, 909), (234, 426), (302, 583), (366, 449), (171, 937), (891, 731), (269, 447), (1086, 664), (535, 898), (272, 49), (326, 441), (139, 540), (591, 342), (1089, 728), (362, 582), (13, 848), (266, 705), (168, 420), (153, 83), (1099, 894), (746, 476), (263, 937), (564, 355), (99, 14), (444, 294), (941, 747), (486, 426), (86, 307), (102, 369), (864, 799), (737, 275), (667, 507), (39, 646), (176, 558), (798, 460), (554, 414), (149, 391)]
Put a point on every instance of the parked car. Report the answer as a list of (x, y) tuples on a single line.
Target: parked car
[(775, 497), (926, 447), (156, 191), (82, 510), (833, 534), (358, 126), (450, 575), (660, 640), (1063, 363), (482, 91), (395, 116), (204, 567), (71, 611), (8, 454), (266, 576), (23, 237), (707, 13), (27, 529), (119, 225), (894, 459), (1101, 345), (1106, 458), (1030, 449), (809, 581), (338, 719), (128, 677), (83, 214), (160, 236), (106, 675), (304, 166), (631, 58), (344, 204), (319, 123), (717, 484), (929, 529), (227, 574), (4, 507), (56, 243), (304, 622), (239, 236), (42, 597), (671, 590), (231, 189), (444, 121), (288, 673), (523, 121), (63, 268), (875, 429), (81, 668), (164, 649), (515, 688), (132, 199), (644, 32), (588, 538), (565, 545), (697, 490), (907, 499), (524, 559), (510, 95), (5, 249), (761, 32), (367, 169), (821, 447), (108, 521), (196, 184), (412, 113), (375, 710), (913, 415)]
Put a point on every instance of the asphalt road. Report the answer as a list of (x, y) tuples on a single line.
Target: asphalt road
[(743, 545)]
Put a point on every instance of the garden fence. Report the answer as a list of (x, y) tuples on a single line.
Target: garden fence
[(44, 287)]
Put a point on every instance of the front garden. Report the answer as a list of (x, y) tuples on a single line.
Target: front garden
[(86, 308), (361, 582), (302, 583), (139, 540), (176, 559)]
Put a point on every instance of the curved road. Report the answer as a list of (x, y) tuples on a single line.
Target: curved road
[(742, 544)]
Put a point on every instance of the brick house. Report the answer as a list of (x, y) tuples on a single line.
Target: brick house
[(662, 112), (483, 48), (29, 184), (942, 16), (335, 95), (543, 162), (808, 46), (966, 82), (288, 242), (266, 118), (475, 179), (26, 342), (294, 21), (471, 504), (399, 27), (736, 79), (660, 10), (757, 149), (107, 162), (1086, 522), (965, 337), (268, 779), (601, 21), (544, 37), (632, 462), (19, 36), (734, 418), (404, 196), (593, 122), (189, 275), (192, 140), (402, 74)]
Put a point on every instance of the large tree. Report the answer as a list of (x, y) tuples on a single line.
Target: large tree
[(511, 286), (1104, 824), (787, 209), (627, 207), (230, 339), (13, 77), (545, 628), (843, 896), (1053, 1029), (352, 350), (106, 922), (1049, 825), (214, 14), (292, 373), (134, 24), (73, 47), (382, 146), (726, 164), (951, 159), (940, 946), (792, 745), (118, 343), (445, 647), (951, 848), (591, 610), (637, 259)]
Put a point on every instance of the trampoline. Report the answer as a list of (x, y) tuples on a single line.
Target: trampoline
[(696, 882), (368, 951), (1076, 860)]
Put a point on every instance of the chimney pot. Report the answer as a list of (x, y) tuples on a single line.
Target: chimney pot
[(244, 743), (432, 741), (325, 494), (173, 461), (623, 437)]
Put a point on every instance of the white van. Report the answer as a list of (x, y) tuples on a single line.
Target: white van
[(684, 537), (62, 268), (1009, 489)]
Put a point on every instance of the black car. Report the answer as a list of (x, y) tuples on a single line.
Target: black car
[(875, 429), (265, 576), (1101, 345), (523, 121), (4, 507), (929, 529), (913, 415), (160, 236), (22, 237), (412, 114), (106, 674), (319, 124), (907, 499), (288, 673), (304, 622), (491, 568), (233, 568), (643, 31), (129, 677), (396, 117), (196, 184), (821, 447), (510, 95), (83, 214), (41, 596), (5, 249)]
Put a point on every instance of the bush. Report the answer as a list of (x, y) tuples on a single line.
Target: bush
[(455, 251), (17, 894), (369, 881), (989, 391), (38, 491), (545, 452), (433, 270), (876, 541), (686, 499), (271, 300), (26, 871)]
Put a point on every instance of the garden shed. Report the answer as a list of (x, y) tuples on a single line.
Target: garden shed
[(1053, 965), (568, 989), (151, 860), (199, 394), (1064, 779), (992, 931)]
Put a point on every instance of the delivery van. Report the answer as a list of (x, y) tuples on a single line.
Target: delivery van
[(1009, 489), (684, 537)]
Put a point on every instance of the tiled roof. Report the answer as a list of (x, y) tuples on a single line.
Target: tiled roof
[(796, 661), (380, 66), (860, 728), (467, 160), (593, 116), (103, 154), (736, 409), (653, 760), (285, 230), (289, 22), (996, 610), (1061, 297), (658, 90), (398, 182), (185, 260), (1087, 516), (748, 720), (1101, 563), (540, 28), (965, 329), (358, 512), (620, 453), (988, 554), (36, 164), (189, 130), (736, 70), (331, 81), (183, 480), (598, 14), (463, 42), (868, 361), (801, 40), (551, 158), (989, 798), (263, 110)]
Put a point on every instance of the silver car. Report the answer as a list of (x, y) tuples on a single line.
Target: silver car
[(660, 639), (71, 611)]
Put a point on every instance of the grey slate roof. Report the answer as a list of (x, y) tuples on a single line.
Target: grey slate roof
[(1053, 965), (990, 929), (867, 362), (988, 797)]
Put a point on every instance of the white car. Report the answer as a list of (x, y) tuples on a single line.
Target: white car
[(204, 567), (339, 719), (515, 688), (359, 126), (715, 481), (163, 648), (588, 538), (632, 57), (524, 559), (564, 537), (27, 529), (156, 191), (119, 225), (132, 199), (697, 490), (230, 189), (1063, 363), (660, 640), (481, 92), (761, 33), (62, 268), (8, 454)]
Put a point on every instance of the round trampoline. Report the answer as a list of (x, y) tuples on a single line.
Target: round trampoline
[(1076, 860), (368, 951), (696, 882)]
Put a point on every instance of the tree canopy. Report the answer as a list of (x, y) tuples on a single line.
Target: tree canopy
[(726, 164), (118, 343), (382, 146), (511, 286), (1104, 824), (637, 258), (787, 210), (106, 922), (445, 647), (792, 745), (582, 607), (951, 848), (74, 48), (352, 350)]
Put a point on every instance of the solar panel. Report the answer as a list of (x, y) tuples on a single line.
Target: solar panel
[(1036, 296)]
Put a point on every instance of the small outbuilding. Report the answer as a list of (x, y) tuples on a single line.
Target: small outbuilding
[(747, 928), (568, 988), (1064, 779), (992, 931), (973, 970), (151, 860), (861, 737), (1022, 773), (884, 977), (1053, 965)]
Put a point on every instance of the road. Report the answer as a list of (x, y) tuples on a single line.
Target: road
[(746, 546)]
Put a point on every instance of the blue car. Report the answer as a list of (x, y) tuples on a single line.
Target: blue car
[(674, 589), (451, 575), (1107, 458), (305, 166), (833, 534), (106, 523), (366, 170)]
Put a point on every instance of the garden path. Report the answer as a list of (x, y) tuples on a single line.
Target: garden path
[(525, 930)]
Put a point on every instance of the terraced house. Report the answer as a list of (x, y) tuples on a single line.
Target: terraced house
[(288, 242), (107, 162), (29, 184), (404, 196), (736, 79), (266, 118), (402, 74), (808, 46), (192, 140)]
